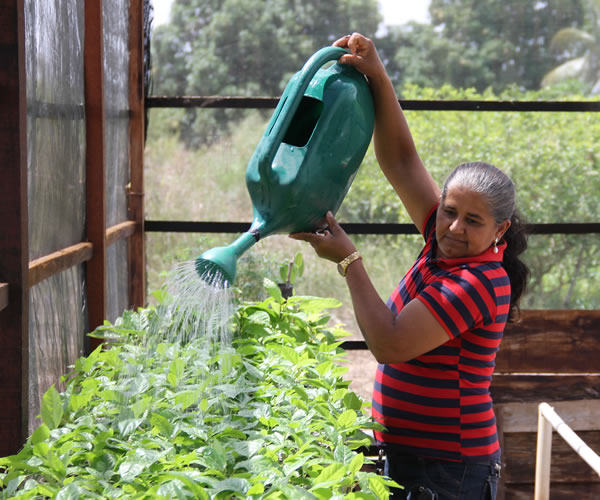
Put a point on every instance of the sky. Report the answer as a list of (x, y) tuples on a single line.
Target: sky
[(393, 11)]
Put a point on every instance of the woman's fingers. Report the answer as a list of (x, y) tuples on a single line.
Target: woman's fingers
[(342, 42)]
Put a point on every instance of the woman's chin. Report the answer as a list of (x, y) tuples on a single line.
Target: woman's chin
[(452, 250)]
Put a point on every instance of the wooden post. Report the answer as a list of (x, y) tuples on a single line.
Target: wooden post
[(95, 164), (137, 256), (14, 248)]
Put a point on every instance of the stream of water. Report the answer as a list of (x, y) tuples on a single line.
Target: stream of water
[(202, 305)]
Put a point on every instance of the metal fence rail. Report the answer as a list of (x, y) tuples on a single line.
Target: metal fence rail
[(407, 104)]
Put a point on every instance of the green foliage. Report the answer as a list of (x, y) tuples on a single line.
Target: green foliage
[(581, 49), (236, 47), (554, 159), (270, 417), (290, 271), (480, 43)]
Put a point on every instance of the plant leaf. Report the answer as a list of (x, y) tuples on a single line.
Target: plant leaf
[(40, 434), (52, 409), (273, 289)]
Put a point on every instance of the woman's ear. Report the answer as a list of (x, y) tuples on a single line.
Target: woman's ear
[(502, 228)]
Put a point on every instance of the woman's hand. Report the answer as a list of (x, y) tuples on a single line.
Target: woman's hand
[(332, 243), (363, 55)]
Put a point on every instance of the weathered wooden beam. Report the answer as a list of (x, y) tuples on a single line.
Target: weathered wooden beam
[(137, 254), (3, 296), (61, 260), (567, 467), (507, 388), (120, 232), (95, 113), (580, 415), (551, 341), (14, 248), (49, 265)]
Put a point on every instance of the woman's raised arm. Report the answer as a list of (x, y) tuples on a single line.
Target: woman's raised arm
[(394, 146)]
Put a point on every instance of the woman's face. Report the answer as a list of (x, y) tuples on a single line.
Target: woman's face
[(465, 225)]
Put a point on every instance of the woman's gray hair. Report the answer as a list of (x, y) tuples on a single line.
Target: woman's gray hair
[(488, 180)]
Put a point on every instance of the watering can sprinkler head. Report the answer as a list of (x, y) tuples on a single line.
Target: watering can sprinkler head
[(306, 160), (218, 265)]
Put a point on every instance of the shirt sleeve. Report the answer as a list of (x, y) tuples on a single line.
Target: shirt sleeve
[(461, 301)]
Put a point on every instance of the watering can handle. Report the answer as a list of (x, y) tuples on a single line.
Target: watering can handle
[(295, 95)]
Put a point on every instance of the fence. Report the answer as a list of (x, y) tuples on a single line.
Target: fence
[(547, 420)]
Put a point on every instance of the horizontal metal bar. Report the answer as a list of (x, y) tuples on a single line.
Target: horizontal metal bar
[(352, 228), (565, 228), (354, 345), (211, 102), (407, 104), (3, 295)]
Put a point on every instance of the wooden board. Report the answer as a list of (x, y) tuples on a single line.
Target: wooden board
[(3, 295), (554, 341), (14, 248), (560, 491), (566, 466), (119, 232), (582, 415), (532, 388), (95, 113), (137, 254), (44, 267)]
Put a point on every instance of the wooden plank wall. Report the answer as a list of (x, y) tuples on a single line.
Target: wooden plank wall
[(14, 249), (95, 113), (549, 356), (137, 256), (17, 274)]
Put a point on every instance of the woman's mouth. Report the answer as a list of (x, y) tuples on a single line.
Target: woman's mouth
[(454, 241)]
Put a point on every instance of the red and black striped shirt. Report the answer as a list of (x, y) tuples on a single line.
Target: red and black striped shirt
[(438, 405)]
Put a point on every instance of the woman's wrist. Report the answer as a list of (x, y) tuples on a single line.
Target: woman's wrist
[(343, 265)]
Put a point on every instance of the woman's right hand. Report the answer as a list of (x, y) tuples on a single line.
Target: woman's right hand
[(332, 243), (363, 55)]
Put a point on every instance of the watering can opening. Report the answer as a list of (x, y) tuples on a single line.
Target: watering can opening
[(304, 122)]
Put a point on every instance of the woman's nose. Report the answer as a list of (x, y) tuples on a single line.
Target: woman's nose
[(456, 226)]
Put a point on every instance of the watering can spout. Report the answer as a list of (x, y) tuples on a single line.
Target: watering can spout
[(217, 266)]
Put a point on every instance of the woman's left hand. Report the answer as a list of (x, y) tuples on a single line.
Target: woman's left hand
[(331, 243)]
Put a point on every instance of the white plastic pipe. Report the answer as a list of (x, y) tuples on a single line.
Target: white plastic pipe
[(547, 420)]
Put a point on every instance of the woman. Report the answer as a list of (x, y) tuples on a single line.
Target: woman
[(437, 337)]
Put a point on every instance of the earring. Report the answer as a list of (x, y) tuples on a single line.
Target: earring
[(496, 245)]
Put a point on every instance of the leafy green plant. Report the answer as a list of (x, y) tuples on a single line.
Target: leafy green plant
[(268, 417)]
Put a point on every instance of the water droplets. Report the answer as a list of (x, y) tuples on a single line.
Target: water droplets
[(202, 306)]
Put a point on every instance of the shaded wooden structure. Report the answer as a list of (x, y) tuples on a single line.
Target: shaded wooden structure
[(549, 356), (18, 272)]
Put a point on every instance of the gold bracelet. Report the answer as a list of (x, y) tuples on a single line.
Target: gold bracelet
[(343, 264)]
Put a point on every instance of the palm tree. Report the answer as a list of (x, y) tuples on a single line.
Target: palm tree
[(586, 65)]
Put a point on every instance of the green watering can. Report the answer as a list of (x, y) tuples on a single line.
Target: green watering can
[(307, 158)]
